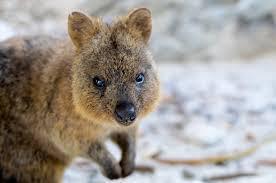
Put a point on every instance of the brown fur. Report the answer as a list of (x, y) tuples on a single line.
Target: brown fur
[(50, 111)]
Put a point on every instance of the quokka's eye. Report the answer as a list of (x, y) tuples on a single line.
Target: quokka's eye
[(140, 78), (99, 83)]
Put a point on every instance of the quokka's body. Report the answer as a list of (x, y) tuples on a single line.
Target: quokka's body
[(63, 98)]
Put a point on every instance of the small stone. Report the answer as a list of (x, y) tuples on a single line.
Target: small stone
[(187, 174)]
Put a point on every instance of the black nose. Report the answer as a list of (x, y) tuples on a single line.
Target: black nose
[(125, 112)]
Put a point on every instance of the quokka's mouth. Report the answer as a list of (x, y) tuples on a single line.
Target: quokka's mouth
[(124, 122)]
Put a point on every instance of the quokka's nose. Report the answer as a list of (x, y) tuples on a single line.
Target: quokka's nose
[(125, 112)]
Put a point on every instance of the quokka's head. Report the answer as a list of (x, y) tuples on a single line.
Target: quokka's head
[(114, 75)]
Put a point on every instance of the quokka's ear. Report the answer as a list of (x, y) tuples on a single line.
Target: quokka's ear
[(81, 28), (139, 23)]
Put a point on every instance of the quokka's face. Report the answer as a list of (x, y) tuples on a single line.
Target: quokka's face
[(114, 76)]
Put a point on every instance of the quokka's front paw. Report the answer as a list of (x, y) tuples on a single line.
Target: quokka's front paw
[(127, 167), (113, 172)]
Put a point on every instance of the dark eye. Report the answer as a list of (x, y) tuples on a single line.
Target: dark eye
[(99, 83), (140, 78)]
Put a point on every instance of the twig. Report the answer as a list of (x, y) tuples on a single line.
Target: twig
[(207, 160), (215, 159), (230, 176), (267, 162)]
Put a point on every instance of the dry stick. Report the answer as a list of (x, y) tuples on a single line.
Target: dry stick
[(207, 160), (215, 159), (267, 162), (229, 176)]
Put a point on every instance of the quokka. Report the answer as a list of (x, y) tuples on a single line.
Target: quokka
[(62, 98)]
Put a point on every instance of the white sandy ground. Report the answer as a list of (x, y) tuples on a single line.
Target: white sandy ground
[(208, 109)]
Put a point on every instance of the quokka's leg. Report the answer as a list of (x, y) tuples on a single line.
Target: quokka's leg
[(110, 167), (127, 143), (22, 159), (20, 170)]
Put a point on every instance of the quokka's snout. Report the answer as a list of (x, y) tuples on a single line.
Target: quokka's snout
[(125, 113)]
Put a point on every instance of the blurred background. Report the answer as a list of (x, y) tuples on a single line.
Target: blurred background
[(216, 121), (182, 29)]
